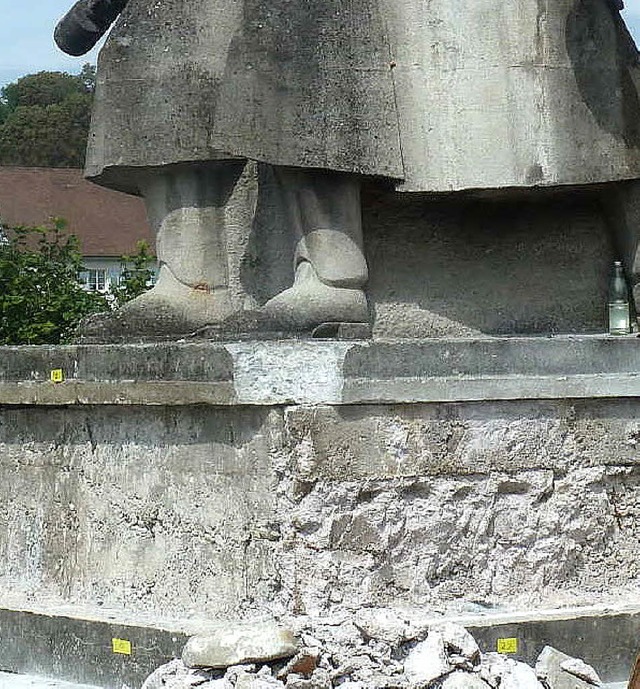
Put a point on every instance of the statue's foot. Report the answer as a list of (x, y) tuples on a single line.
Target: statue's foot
[(169, 310), (310, 307)]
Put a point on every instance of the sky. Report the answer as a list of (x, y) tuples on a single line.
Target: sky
[(26, 45)]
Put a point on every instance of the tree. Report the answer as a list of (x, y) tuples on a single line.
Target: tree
[(44, 119), (41, 301), (137, 274)]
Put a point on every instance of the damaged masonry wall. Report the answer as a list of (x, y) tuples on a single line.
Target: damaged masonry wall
[(203, 510)]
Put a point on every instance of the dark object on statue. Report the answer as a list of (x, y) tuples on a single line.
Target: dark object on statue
[(85, 24)]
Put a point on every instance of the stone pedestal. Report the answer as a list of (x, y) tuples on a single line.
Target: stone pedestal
[(168, 486), (205, 480)]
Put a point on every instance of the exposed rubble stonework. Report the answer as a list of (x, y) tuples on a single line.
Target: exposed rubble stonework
[(421, 657), (202, 512)]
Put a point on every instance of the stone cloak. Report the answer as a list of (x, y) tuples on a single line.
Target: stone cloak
[(435, 95)]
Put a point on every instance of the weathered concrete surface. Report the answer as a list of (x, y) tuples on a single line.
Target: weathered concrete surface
[(462, 265), (80, 649), (286, 504), (213, 511), (124, 506), (484, 96), (323, 372)]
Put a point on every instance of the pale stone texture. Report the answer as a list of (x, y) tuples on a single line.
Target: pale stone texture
[(427, 661), (457, 641), (519, 676), (492, 666), (236, 643), (580, 669), (560, 671), (463, 680), (317, 509), (371, 87), (175, 675)]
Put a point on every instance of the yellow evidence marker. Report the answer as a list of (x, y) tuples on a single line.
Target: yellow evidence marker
[(122, 646), (509, 645)]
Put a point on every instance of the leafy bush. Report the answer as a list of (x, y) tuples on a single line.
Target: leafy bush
[(41, 301), (137, 275)]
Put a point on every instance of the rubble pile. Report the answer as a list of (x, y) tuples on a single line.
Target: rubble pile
[(374, 650)]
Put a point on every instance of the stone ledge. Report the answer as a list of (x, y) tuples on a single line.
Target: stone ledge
[(323, 372)]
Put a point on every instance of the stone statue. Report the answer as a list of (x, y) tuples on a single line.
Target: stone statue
[(440, 97)]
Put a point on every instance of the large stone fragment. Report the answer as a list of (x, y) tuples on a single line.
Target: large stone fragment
[(577, 667), (238, 643), (427, 661), (458, 641), (560, 671), (492, 667), (383, 624), (519, 676)]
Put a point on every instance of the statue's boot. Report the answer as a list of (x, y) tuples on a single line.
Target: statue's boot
[(323, 211), (189, 208), (311, 302)]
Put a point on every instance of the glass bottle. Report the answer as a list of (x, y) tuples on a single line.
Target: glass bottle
[(619, 315)]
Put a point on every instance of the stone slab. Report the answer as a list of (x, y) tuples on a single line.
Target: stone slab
[(323, 372), (81, 650)]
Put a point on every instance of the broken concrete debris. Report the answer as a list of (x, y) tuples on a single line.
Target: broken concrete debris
[(235, 644), (379, 650), (560, 671)]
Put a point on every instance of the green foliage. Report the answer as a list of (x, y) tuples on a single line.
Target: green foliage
[(44, 119), (137, 274), (41, 301)]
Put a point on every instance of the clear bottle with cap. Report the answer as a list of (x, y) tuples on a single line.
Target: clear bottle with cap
[(619, 312)]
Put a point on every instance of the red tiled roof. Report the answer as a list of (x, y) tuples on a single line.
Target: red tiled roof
[(107, 223)]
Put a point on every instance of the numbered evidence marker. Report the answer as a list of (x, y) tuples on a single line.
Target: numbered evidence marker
[(507, 645), (122, 646), (57, 375)]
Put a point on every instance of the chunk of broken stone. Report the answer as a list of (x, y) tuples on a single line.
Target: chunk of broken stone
[(303, 663), (175, 675), (427, 661), (382, 624), (464, 680), (491, 668), (234, 644), (458, 641), (560, 671), (319, 679), (519, 676), (582, 670), (247, 680), (460, 662)]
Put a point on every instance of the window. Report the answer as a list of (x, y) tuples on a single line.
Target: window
[(94, 280)]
